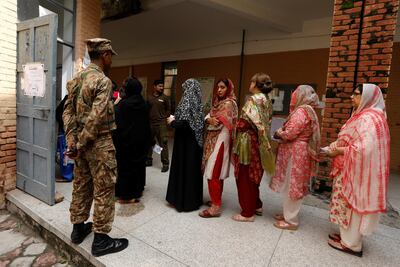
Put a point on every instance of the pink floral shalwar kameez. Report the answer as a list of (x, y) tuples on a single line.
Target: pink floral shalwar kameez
[(297, 152), (293, 155)]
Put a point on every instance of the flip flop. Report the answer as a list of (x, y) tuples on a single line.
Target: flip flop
[(285, 225), (207, 214), (62, 180), (240, 218), (58, 197), (279, 217), (127, 201), (339, 246), (259, 212), (335, 237)]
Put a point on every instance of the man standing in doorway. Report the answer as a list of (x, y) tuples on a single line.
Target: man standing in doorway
[(89, 119), (160, 109)]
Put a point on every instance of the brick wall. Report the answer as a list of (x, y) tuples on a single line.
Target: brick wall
[(88, 16), (361, 51), (8, 59)]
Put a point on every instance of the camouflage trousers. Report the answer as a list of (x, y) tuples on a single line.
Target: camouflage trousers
[(159, 133), (95, 175)]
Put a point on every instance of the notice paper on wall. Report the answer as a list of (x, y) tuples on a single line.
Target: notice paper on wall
[(33, 79)]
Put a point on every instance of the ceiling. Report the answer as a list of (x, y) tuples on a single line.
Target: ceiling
[(165, 26)]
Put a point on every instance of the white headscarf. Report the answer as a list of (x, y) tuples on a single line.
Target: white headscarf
[(371, 97)]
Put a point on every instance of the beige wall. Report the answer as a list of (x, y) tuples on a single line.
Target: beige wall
[(307, 66), (219, 67), (150, 71), (119, 74), (296, 67), (8, 58)]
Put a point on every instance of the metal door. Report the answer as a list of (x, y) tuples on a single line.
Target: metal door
[(36, 139)]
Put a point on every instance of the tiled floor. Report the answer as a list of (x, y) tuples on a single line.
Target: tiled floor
[(160, 236)]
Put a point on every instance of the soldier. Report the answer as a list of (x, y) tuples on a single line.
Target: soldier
[(160, 110), (89, 119)]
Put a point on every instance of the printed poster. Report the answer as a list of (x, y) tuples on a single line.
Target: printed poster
[(33, 81)]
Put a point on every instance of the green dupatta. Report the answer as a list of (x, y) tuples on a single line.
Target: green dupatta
[(258, 112)]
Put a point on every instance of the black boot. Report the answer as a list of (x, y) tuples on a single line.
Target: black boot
[(165, 168), (103, 244), (80, 231)]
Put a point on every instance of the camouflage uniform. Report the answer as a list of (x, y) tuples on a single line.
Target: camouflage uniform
[(89, 120)]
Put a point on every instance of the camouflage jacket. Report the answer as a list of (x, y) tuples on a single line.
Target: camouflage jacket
[(88, 111)]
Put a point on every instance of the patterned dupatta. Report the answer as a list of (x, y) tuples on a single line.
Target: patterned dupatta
[(304, 97), (226, 111), (365, 163), (258, 110), (190, 108)]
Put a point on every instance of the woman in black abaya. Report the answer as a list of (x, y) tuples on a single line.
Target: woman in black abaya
[(185, 185), (131, 140)]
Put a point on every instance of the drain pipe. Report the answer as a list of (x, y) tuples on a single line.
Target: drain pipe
[(359, 44), (241, 68)]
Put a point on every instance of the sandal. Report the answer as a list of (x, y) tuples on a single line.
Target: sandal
[(58, 197), (339, 246), (284, 225), (279, 217), (126, 201), (259, 212), (206, 214), (335, 237), (240, 218), (62, 180)]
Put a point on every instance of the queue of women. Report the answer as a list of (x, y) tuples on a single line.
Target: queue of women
[(206, 145)]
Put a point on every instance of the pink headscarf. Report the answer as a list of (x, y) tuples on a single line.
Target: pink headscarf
[(303, 95), (306, 98), (367, 155)]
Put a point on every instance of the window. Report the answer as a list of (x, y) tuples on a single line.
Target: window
[(170, 71)]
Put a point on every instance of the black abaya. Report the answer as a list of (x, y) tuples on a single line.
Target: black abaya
[(132, 141), (185, 185)]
